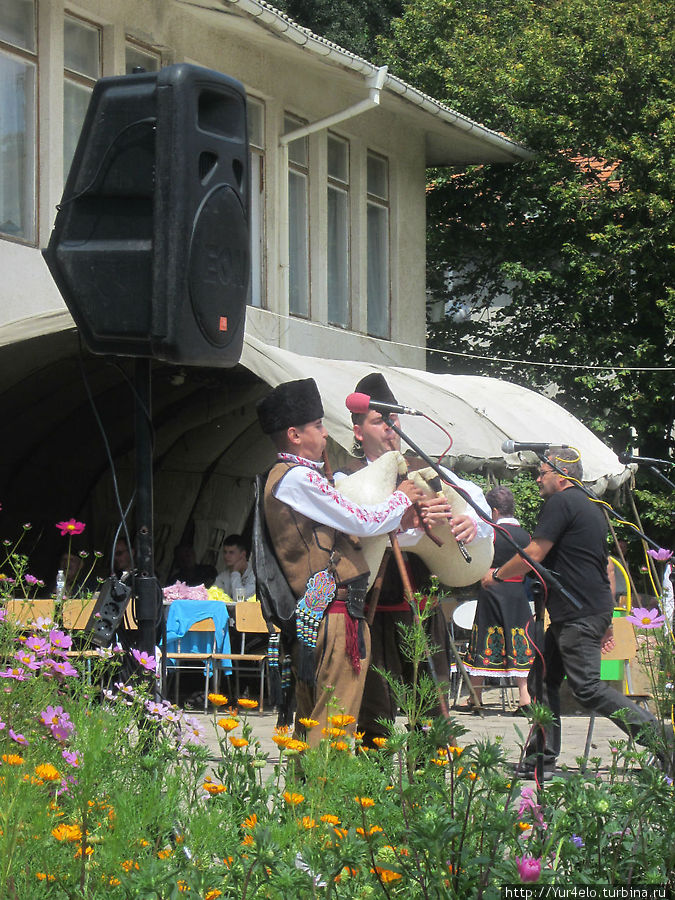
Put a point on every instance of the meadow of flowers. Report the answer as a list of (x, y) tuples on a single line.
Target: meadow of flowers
[(107, 790)]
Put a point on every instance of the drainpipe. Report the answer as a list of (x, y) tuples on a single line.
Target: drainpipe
[(375, 84)]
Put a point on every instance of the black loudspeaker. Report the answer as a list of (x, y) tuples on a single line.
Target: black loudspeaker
[(151, 245)]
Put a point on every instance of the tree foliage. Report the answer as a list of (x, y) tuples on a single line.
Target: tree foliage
[(581, 237)]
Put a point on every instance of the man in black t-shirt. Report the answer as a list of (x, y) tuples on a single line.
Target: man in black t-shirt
[(571, 540)]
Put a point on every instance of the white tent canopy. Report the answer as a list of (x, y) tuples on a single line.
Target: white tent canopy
[(480, 413)]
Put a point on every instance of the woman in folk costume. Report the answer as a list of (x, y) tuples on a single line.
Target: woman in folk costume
[(315, 531), (501, 639)]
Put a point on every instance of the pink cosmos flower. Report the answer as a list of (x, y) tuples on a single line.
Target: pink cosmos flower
[(529, 868), (71, 527), (18, 674), (72, 757), (645, 618), (19, 738), (30, 579), (3, 613), (60, 640), (27, 659), (661, 555), (144, 659), (62, 669), (37, 645)]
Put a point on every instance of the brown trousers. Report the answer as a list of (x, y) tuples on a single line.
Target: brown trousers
[(338, 688)]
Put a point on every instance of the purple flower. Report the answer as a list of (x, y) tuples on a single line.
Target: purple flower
[(72, 757), (529, 868), (70, 527), (27, 659), (37, 645), (60, 640), (577, 841), (58, 722), (2, 724), (3, 613), (62, 669), (18, 674), (19, 738), (30, 579), (645, 618), (144, 659), (661, 554)]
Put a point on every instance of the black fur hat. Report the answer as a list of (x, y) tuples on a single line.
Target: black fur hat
[(376, 387), (293, 403)]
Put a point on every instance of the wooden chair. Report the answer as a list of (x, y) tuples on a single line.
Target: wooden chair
[(177, 658), (625, 649), (248, 620), (25, 612)]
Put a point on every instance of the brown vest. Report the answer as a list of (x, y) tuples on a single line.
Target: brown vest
[(304, 547)]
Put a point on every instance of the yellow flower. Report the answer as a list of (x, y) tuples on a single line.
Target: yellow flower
[(308, 723), (308, 822), (217, 699), (183, 887), (333, 732), (330, 819), (214, 789), (442, 751), (341, 721), (250, 822), (282, 740), (473, 776), (44, 876), (228, 724), (238, 742), (365, 801), (295, 744), (524, 826), (212, 894), (246, 703), (293, 799), (113, 882), (380, 742), (65, 832), (456, 751), (87, 850), (12, 759), (386, 875), (439, 762), (47, 772), (339, 745)]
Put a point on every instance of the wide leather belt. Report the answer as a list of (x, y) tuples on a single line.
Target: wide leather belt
[(341, 593)]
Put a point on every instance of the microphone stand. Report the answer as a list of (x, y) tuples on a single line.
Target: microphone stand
[(659, 474)]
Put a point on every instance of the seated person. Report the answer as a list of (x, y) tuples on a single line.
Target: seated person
[(238, 572)]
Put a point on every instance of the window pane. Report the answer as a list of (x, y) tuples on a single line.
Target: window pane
[(338, 159), (17, 23), (139, 58), (297, 150), (338, 257), (257, 230), (75, 103), (377, 176), (81, 50), (256, 123), (378, 270), (17, 148), (298, 249)]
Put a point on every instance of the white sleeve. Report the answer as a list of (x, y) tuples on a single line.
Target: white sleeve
[(224, 582), (484, 529), (309, 493)]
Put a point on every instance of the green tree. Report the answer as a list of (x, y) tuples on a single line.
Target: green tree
[(581, 237)]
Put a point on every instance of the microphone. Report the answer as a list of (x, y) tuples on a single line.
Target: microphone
[(362, 403), (517, 446), (627, 458)]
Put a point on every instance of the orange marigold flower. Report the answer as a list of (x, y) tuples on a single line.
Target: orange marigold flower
[(333, 732), (113, 882), (281, 729), (214, 789), (339, 745), (65, 832), (341, 721), (130, 864), (44, 876), (217, 699), (281, 740), (295, 744), (372, 830), (340, 832), (246, 703), (523, 826), (12, 759), (308, 822), (442, 751), (237, 741), (248, 840), (380, 742), (47, 772), (365, 801), (228, 861), (212, 894), (308, 723), (183, 887), (228, 724), (439, 762), (293, 799), (87, 851), (386, 875), (250, 822), (165, 853), (456, 751), (330, 819), (473, 776)]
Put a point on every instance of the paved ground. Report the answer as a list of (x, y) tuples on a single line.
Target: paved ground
[(495, 723)]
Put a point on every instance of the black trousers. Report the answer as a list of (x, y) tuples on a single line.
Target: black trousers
[(573, 649)]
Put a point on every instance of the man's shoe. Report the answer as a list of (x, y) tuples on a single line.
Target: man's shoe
[(527, 770)]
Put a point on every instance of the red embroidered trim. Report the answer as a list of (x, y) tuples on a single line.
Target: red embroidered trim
[(395, 501)]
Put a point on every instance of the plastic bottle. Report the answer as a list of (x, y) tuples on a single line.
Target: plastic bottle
[(60, 585)]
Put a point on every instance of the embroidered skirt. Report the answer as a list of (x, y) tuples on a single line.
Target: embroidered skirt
[(502, 635)]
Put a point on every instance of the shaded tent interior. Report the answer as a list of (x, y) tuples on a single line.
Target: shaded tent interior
[(208, 444)]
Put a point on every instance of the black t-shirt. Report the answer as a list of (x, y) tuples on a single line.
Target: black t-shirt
[(578, 529)]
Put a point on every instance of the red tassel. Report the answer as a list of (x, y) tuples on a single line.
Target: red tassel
[(352, 642)]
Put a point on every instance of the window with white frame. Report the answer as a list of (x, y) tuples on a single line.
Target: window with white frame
[(136, 56), (18, 102), (338, 231), (82, 68), (378, 245), (256, 138), (298, 220)]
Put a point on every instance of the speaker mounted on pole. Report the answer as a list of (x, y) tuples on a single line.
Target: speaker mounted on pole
[(151, 243)]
